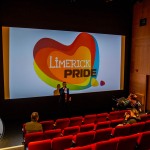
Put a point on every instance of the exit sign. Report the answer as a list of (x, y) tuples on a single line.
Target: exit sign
[(143, 21)]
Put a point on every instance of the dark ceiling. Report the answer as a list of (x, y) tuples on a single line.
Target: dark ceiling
[(94, 4)]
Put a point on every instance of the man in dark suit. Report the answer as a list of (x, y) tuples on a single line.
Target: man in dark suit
[(64, 99), (33, 125)]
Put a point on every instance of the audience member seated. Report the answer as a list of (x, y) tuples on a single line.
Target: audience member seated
[(33, 125), (132, 116)]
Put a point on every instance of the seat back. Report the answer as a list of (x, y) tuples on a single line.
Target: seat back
[(101, 117), (62, 123), (107, 145), (89, 118), (76, 121), (61, 143), (102, 125), (50, 134), (137, 127), (34, 136), (71, 130), (144, 117), (116, 122), (128, 142), (144, 141), (147, 125), (40, 145), (122, 130), (102, 134), (114, 115), (122, 113), (87, 127), (148, 116), (47, 125), (84, 138), (87, 147)]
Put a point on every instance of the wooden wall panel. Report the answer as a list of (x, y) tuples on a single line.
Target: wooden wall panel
[(138, 86), (140, 59), (138, 83), (140, 50), (141, 10)]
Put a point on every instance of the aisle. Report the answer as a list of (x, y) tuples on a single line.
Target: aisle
[(12, 134)]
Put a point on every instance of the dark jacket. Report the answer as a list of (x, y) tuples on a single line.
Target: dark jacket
[(131, 120), (62, 95)]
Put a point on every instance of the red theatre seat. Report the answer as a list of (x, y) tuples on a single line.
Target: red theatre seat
[(102, 117), (122, 113), (144, 141), (128, 142), (89, 118), (50, 134), (61, 143), (34, 136), (71, 130), (144, 117), (147, 125), (40, 145), (87, 127), (137, 127), (102, 134), (84, 138), (148, 116), (102, 125), (76, 121), (116, 122), (47, 125), (87, 147), (62, 123), (122, 130), (107, 145), (114, 115)]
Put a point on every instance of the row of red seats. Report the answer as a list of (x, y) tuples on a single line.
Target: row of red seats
[(141, 126), (75, 121), (64, 129), (138, 141), (83, 127), (87, 119), (51, 133), (80, 120), (99, 134)]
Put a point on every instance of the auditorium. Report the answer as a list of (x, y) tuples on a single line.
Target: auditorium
[(97, 51)]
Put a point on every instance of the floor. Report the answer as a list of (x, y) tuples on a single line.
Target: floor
[(12, 134)]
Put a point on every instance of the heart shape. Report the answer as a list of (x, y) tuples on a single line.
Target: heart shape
[(102, 83), (53, 59)]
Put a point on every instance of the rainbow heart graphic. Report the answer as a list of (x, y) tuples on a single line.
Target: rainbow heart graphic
[(77, 63)]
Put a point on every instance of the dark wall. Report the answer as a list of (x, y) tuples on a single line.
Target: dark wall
[(94, 16)]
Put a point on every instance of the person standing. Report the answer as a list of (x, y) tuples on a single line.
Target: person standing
[(64, 99), (56, 92)]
